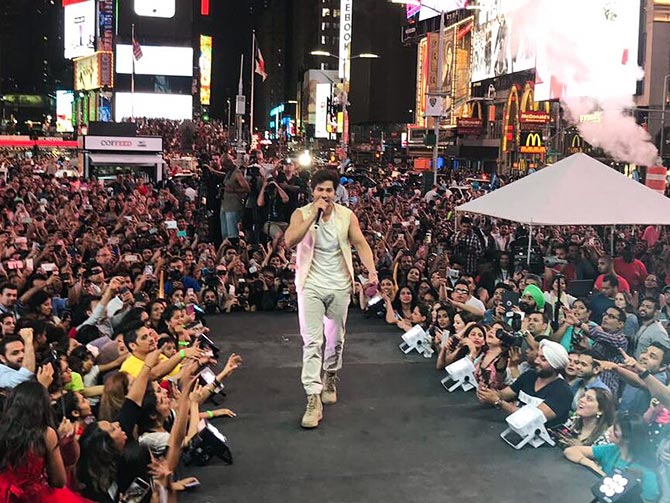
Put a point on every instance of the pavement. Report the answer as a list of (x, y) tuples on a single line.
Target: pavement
[(394, 436)]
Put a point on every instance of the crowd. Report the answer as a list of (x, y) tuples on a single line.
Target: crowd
[(105, 361)]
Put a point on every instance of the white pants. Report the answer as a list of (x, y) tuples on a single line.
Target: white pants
[(322, 312)]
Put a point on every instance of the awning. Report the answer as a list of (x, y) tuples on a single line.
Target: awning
[(126, 159)]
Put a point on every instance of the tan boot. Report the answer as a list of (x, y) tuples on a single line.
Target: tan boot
[(329, 393), (313, 412)]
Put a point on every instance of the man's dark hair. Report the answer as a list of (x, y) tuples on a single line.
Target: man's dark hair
[(466, 220), (666, 352), (504, 286), (462, 282), (653, 300), (585, 301), (611, 279), (325, 175), (622, 314), (7, 286), (591, 353), (130, 334), (545, 316), (8, 340)]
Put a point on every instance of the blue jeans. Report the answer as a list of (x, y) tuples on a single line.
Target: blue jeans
[(229, 223)]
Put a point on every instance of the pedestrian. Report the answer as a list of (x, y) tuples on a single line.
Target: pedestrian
[(323, 232)]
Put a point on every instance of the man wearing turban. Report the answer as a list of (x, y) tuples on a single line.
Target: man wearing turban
[(543, 387)]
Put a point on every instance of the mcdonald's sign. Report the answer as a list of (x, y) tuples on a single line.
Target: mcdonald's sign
[(531, 143), (575, 144)]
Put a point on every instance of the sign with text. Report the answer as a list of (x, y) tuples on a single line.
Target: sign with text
[(124, 143), (346, 23), (533, 117), (79, 29), (467, 125), (531, 143), (105, 25)]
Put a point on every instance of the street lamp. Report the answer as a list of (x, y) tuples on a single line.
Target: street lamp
[(345, 93), (440, 50)]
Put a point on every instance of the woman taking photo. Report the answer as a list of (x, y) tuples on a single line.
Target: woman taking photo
[(628, 452), (31, 466), (593, 417), (491, 368), (471, 344)]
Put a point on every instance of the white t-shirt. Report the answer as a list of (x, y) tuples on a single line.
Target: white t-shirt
[(328, 269), (476, 303)]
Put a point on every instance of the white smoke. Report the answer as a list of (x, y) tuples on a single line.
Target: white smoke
[(581, 50)]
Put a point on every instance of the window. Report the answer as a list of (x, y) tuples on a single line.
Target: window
[(323, 40), (325, 12), (336, 12)]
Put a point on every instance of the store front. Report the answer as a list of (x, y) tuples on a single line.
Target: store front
[(105, 157)]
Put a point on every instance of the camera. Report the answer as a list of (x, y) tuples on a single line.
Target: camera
[(209, 442), (207, 343), (510, 340), (515, 321)]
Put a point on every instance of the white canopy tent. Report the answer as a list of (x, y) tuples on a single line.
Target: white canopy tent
[(577, 190)]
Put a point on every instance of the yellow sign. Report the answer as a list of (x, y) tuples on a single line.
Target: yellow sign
[(531, 143), (205, 69), (94, 71)]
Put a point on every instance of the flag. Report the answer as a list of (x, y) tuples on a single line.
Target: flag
[(137, 50), (259, 61)]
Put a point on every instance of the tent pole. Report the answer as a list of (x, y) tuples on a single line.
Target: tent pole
[(530, 241), (612, 241)]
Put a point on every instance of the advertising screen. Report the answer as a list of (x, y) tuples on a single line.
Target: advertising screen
[(153, 106), (64, 101), (205, 69), (93, 72), (322, 96), (79, 29), (494, 50), (603, 43), (156, 60)]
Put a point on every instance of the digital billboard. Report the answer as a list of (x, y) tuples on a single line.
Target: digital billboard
[(153, 106), (322, 97), (603, 44), (155, 8), (94, 71), (156, 60), (205, 64), (64, 101), (79, 29), (494, 50)]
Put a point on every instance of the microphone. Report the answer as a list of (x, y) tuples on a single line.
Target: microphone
[(318, 218)]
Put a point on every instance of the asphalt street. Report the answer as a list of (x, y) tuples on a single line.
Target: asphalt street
[(394, 436)]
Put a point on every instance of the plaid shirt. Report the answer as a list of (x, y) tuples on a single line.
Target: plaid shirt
[(606, 347), (468, 247)]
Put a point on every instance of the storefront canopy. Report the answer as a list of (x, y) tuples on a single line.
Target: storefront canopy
[(575, 191), (126, 159)]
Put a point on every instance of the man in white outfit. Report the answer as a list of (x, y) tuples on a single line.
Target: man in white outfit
[(324, 279)]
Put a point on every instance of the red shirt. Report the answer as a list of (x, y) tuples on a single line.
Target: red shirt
[(634, 272), (623, 284)]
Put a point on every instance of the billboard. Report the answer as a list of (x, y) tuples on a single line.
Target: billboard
[(205, 64), (94, 71), (421, 82), (155, 8), (321, 119), (604, 44), (346, 19), (79, 29), (105, 25), (156, 60), (494, 50), (64, 102), (153, 106)]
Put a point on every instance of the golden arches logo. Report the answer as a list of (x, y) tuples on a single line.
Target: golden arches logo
[(532, 144)]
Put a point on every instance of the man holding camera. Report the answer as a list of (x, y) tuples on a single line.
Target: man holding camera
[(324, 233)]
